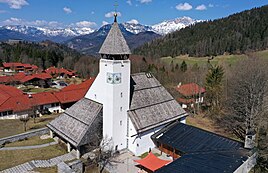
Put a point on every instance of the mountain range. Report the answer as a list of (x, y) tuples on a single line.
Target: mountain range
[(87, 40)]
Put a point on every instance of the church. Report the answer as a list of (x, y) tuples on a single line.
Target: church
[(126, 108)]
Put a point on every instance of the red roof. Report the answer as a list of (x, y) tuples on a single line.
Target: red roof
[(43, 98), (54, 70), (20, 65), (190, 89), (43, 76), (152, 162), (12, 98), (73, 93), (12, 64)]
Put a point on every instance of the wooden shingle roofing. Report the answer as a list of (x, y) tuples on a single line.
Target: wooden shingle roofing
[(151, 105), (76, 122), (115, 43)]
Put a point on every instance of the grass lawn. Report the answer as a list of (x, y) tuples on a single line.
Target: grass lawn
[(229, 59), (146, 153), (209, 125), (13, 127), (32, 89), (29, 142), (16, 157), (47, 170)]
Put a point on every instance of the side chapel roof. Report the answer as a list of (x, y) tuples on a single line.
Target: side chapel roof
[(151, 105)]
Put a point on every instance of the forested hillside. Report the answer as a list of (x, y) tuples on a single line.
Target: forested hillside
[(44, 54), (238, 33)]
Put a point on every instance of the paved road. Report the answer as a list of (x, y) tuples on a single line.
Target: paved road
[(29, 147)]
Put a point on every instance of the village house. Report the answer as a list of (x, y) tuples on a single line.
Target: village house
[(38, 79), (60, 72), (45, 102), (125, 108), (190, 94), (14, 103), (13, 67)]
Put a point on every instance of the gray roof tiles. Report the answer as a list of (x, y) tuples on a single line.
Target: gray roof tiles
[(151, 104), (76, 121), (115, 43)]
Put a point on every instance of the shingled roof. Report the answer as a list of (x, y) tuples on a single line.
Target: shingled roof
[(151, 104), (78, 123), (115, 43)]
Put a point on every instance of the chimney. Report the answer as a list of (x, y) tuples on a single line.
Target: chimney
[(250, 139)]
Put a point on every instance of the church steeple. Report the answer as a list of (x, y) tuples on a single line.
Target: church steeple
[(115, 46)]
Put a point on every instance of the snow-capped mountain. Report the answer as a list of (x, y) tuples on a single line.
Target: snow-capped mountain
[(162, 28), (38, 31), (31, 33), (169, 26), (137, 28)]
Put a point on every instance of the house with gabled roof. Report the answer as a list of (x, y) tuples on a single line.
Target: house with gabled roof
[(126, 108), (190, 94)]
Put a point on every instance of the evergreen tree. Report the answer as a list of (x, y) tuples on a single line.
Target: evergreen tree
[(214, 82), (183, 66)]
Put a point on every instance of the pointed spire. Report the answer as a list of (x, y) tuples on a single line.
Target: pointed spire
[(115, 43), (115, 17)]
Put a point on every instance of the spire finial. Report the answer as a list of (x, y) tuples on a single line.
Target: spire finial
[(115, 11)]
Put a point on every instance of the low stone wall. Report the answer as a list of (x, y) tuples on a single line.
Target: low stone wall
[(72, 167), (23, 136), (76, 166)]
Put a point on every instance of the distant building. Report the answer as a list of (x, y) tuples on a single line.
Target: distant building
[(39, 79), (125, 108), (13, 67), (190, 94), (60, 72), (14, 41)]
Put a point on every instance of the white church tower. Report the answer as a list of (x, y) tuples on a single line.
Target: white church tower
[(112, 86)]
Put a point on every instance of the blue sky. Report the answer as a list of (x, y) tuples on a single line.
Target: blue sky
[(94, 13)]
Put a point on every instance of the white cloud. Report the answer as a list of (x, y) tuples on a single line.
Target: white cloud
[(35, 23), (67, 10), (145, 1), (184, 6), (111, 14), (133, 21), (201, 7), (15, 4), (104, 23), (210, 5), (129, 2), (86, 24)]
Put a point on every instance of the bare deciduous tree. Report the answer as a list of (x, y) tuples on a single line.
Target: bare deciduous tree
[(24, 119), (247, 88)]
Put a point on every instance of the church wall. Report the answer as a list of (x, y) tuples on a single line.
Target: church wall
[(140, 144), (132, 143), (115, 99)]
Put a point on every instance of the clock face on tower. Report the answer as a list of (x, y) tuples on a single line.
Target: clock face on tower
[(113, 78)]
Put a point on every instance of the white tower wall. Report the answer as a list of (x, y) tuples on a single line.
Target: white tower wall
[(115, 99)]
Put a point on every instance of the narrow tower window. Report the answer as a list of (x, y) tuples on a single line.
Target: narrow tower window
[(120, 123), (121, 95), (121, 108)]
